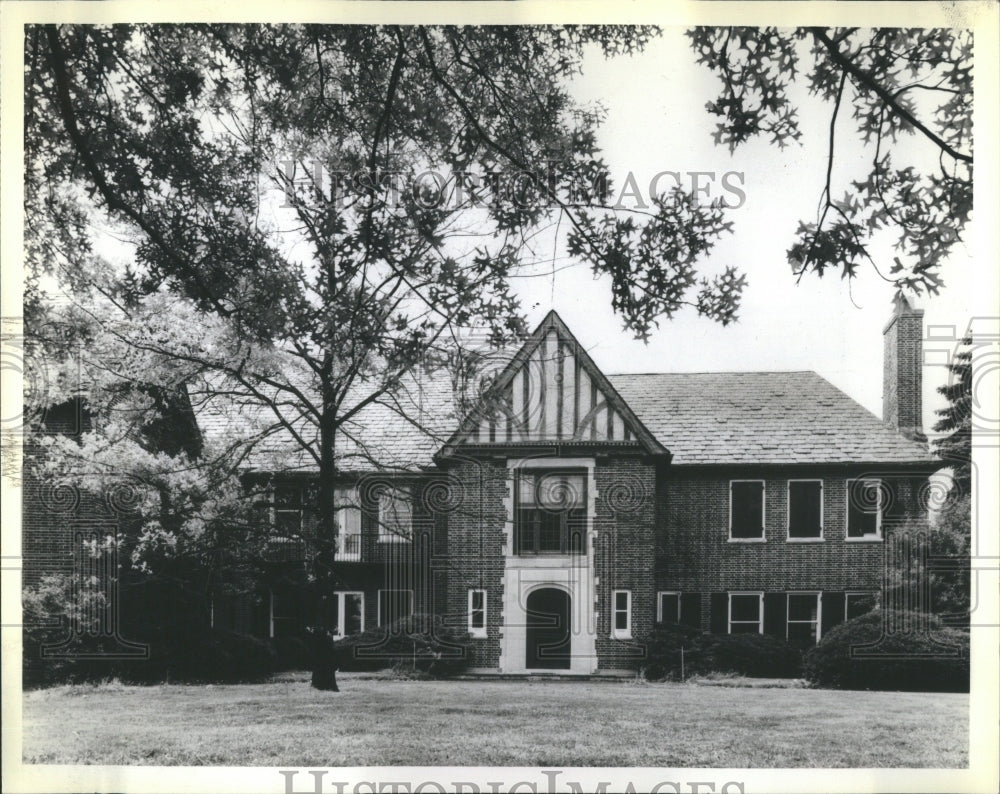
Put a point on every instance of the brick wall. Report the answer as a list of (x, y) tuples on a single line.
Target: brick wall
[(695, 555), (475, 544), (626, 517)]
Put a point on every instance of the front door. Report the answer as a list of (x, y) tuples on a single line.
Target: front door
[(548, 630)]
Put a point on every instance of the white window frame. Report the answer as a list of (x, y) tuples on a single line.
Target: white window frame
[(878, 511), (348, 502), (874, 594), (479, 632), (378, 614), (270, 613), (659, 604), (341, 610), (819, 611), (763, 513), (616, 633), (788, 516), (397, 492), (760, 611)]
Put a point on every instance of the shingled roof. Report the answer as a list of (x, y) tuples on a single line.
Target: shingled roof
[(398, 432), (707, 418)]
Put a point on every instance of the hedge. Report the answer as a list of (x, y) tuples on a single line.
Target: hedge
[(194, 656), (920, 654), (754, 655)]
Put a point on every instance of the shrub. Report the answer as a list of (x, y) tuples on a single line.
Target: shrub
[(936, 660), (663, 652), (418, 642), (292, 653), (212, 655), (183, 651), (755, 655)]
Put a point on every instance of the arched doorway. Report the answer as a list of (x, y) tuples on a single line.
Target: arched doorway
[(548, 630)]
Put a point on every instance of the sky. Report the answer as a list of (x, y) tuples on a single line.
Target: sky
[(657, 121)]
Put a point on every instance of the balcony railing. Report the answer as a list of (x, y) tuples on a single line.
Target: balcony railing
[(349, 546)]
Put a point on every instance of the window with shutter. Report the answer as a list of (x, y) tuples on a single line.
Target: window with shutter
[(805, 509), (746, 613), (746, 510)]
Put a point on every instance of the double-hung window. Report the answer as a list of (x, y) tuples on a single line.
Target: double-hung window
[(621, 614), (746, 613), (289, 508), (803, 618), (805, 509), (395, 516), (477, 613), (286, 613), (348, 516), (865, 499), (347, 613), (746, 510), (551, 512)]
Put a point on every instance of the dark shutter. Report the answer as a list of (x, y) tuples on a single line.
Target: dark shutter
[(747, 508), (804, 509), (833, 611), (691, 609), (775, 614), (720, 613)]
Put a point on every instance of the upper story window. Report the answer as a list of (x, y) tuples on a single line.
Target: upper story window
[(551, 512), (865, 505), (348, 517), (805, 509), (395, 516), (746, 510), (290, 505)]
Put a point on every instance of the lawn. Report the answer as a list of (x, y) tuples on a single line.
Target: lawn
[(493, 723)]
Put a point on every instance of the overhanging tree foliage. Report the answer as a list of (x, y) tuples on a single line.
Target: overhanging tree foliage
[(895, 82), (314, 210)]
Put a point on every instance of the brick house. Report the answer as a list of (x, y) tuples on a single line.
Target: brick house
[(570, 511), (565, 512)]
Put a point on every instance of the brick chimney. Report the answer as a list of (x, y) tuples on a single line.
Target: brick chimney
[(901, 379)]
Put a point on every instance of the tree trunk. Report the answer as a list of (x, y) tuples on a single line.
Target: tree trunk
[(326, 531)]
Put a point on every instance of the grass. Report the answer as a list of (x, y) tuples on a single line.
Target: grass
[(493, 723)]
